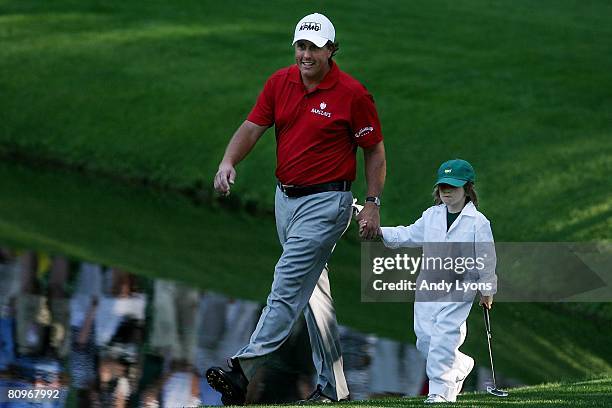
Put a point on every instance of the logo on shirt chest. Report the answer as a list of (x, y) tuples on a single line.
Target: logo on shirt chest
[(321, 111)]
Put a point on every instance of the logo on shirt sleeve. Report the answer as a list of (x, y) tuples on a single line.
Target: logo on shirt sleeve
[(364, 131)]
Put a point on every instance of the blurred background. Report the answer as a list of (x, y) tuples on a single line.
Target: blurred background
[(114, 116)]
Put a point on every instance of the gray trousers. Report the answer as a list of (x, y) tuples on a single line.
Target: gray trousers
[(308, 229)]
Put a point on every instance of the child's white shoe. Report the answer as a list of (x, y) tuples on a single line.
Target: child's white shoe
[(435, 399), (460, 382)]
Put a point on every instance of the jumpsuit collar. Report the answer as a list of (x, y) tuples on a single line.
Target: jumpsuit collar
[(468, 211)]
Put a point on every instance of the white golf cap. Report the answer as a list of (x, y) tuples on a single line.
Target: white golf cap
[(315, 28)]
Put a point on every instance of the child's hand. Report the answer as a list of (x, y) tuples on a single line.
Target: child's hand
[(486, 301), (370, 214), (363, 224)]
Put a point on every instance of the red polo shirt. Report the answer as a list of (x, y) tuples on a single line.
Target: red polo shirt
[(317, 132)]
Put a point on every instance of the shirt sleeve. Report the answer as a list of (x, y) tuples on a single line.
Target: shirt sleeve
[(262, 113), (411, 236), (365, 124), (485, 253)]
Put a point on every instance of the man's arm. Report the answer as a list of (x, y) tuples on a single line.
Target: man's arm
[(376, 171), (238, 147)]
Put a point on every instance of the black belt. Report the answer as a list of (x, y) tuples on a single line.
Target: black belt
[(301, 191)]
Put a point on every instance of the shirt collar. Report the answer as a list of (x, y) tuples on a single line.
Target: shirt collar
[(294, 74), (331, 77), (328, 81), (469, 209)]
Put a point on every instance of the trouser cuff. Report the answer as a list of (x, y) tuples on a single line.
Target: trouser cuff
[(449, 393), (251, 365)]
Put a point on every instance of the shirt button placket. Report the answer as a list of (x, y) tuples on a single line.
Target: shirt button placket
[(304, 103)]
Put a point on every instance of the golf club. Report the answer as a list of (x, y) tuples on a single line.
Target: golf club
[(491, 390)]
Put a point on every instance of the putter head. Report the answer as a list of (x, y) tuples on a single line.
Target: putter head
[(494, 391)]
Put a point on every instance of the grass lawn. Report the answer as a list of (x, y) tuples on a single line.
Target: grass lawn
[(165, 235), (589, 393), (153, 91)]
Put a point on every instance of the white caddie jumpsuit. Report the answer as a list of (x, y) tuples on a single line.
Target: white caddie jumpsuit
[(440, 326)]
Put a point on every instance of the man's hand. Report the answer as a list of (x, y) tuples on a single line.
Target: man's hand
[(369, 221), (224, 178), (486, 301), (238, 147)]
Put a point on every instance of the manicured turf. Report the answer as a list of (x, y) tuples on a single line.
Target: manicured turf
[(154, 90), (164, 235), (589, 393)]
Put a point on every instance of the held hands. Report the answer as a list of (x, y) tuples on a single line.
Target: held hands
[(369, 221), (486, 301), (224, 178)]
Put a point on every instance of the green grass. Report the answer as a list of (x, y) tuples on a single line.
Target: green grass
[(154, 91), (588, 393), (160, 234)]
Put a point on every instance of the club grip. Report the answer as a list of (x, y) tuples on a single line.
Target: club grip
[(486, 319)]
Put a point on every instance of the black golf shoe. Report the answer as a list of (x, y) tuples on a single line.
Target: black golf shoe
[(317, 397), (232, 383)]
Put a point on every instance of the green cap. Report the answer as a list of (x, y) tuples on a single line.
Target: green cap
[(455, 172)]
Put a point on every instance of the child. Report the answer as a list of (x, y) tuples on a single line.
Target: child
[(440, 325)]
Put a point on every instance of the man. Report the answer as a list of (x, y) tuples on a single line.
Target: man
[(320, 116)]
